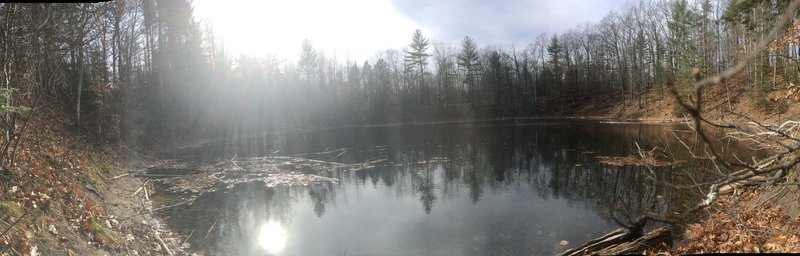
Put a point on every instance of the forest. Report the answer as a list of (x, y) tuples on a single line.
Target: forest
[(144, 75), (135, 71)]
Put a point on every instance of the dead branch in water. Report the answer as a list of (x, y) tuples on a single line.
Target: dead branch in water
[(341, 151)]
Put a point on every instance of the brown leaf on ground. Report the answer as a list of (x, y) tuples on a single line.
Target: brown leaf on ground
[(732, 226)]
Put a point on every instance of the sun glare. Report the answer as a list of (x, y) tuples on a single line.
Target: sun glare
[(272, 237), (351, 28)]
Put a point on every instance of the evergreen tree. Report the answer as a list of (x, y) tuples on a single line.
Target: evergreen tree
[(308, 61), (417, 57), (555, 51), (683, 51), (468, 61)]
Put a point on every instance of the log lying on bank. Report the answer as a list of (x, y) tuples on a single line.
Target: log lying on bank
[(623, 240), (730, 187), (650, 240)]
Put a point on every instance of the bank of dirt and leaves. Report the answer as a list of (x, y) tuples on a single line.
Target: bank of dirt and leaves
[(67, 194)]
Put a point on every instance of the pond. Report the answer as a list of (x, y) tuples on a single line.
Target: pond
[(499, 188)]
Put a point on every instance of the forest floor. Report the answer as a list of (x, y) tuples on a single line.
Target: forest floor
[(754, 219)]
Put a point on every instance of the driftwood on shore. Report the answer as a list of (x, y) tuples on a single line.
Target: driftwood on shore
[(623, 240), (649, 240)]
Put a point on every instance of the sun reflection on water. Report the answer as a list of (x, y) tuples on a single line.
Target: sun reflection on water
[(272, 236)]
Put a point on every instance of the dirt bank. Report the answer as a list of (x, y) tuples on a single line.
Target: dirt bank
[(777, 105), (67, 196)]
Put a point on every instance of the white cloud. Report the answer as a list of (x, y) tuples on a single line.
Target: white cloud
[(503, 21), (350, 28)]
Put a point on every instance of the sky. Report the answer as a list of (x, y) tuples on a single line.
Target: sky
[(356, 30)]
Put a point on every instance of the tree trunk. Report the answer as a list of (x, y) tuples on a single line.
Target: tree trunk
[(79, 88)]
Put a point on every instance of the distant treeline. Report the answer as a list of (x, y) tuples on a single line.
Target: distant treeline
[(144, 71)]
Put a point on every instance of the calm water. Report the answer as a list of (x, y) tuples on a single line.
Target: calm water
[(509, 189)]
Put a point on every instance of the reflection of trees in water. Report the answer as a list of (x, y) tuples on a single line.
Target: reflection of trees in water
[(556, 161), (320, 195), (423, 184), (494, 157), (564, 168)]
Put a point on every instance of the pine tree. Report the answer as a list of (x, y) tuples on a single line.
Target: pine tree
[(555, 51), (308, 60), (683, 51), (468, 61), (417, 57)]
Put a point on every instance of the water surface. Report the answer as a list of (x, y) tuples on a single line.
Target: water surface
[(507, 188)]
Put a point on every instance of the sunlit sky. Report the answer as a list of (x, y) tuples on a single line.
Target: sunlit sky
[(356, 29)]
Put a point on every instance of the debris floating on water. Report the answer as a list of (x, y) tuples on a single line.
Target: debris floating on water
[(272, 170), (635, 161)]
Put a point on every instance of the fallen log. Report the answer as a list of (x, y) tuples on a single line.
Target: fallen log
[(625, 240), (650, 240), (617, 236), (758, 179)]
